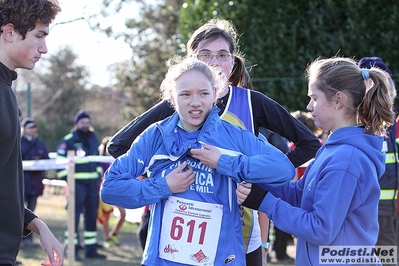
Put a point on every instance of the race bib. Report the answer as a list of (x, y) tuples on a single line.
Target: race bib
[(190, 231)]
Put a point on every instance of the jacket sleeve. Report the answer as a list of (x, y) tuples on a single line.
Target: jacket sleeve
[(123, 139), (260, 162), (28, 217), (320, 223), (121, 186), (271, 115)]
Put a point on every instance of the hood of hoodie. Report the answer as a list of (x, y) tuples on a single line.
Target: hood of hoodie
[(371, 145)]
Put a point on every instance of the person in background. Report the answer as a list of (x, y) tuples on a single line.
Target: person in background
[(397, 209), (389, 181), (32, 148), (84, 142), (105, 210), (335, 203), (24, 26), (193, 160), (216, 43)]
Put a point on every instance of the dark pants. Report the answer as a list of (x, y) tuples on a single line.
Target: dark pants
[(254, 258), (388, 233), (387, 236), (143, 230), (30, 201), (280, 243), (86, 202)]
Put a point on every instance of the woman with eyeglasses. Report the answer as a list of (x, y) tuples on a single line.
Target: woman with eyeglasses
[(216, 43)]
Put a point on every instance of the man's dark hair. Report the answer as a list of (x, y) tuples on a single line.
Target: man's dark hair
[(25, 14)]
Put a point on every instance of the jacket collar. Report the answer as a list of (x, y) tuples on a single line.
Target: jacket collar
[(168, 129), (7, 75)]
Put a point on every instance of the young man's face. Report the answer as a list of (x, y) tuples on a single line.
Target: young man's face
[(26, 52), (30, 131), (84, 124)]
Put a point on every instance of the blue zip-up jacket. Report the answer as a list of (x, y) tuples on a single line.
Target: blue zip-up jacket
[(335, 203), (161, 148)]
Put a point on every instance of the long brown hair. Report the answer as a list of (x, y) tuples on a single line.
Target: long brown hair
[(219, 28)]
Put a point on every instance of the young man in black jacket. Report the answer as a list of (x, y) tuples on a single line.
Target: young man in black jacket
[(24, 26)]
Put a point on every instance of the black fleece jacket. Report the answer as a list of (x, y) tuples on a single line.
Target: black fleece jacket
[(14, 217)]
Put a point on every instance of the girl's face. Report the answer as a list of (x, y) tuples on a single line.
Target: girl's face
[(217, 47), (323, 110), (193, 99)]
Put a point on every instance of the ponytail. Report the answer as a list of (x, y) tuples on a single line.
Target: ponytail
[(239, 75), (376, 109)]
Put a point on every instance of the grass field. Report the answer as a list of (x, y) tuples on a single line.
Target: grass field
[(51, 209)]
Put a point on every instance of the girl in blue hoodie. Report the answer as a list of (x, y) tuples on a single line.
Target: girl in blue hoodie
[(193, 161), (335, 203)]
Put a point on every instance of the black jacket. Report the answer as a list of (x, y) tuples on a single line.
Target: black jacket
[(13, 216), (389, 181)]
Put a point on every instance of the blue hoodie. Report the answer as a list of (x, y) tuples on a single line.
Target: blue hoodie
[(335, 203), (162, 148)]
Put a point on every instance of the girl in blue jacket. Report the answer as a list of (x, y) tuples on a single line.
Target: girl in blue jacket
[(216, 43), (335, 204), (194, 214)]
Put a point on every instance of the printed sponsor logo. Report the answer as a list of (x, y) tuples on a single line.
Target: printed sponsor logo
[(199, 256), (182, 207), (169, 249), (230, 259)]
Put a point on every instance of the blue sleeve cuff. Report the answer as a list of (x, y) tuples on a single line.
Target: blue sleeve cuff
[(268, 204), (163, 188)]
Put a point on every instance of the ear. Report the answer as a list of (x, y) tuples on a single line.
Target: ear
[(8, 32), (340, 100)]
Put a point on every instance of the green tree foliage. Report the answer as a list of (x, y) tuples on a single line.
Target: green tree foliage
[(61, 90), (151, 36), (281, 37), (104, 105), (57, 94)]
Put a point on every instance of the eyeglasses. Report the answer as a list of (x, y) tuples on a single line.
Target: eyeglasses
[(209, 57)]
